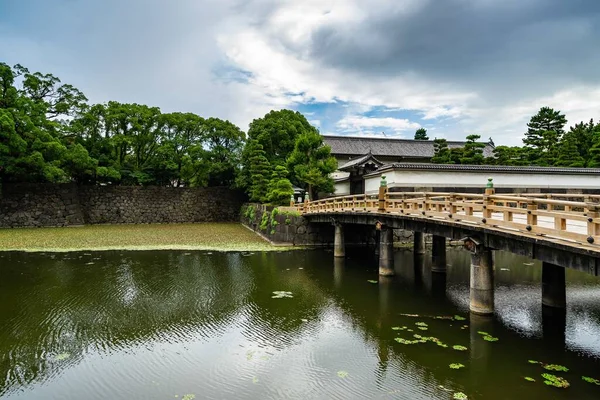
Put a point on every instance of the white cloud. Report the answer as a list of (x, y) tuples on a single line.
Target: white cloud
[(362, 123)]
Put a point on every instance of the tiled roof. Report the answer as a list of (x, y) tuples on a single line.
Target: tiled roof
[(491, 168), (360, 160), (389, 147)]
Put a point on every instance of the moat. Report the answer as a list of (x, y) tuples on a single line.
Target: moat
[(272, 325)]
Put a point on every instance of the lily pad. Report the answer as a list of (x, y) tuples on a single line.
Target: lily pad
[(62, 356), (459, 396), (490, 338), (280, 294), (555, 367), (342, 374), (421, 324), (483, 333), (591, 380), (459, 347), (423, 328), (533, 362), (556, 381), (530, 379), (456, 366)]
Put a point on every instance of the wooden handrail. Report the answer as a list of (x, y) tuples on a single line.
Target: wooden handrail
[(575, 221)]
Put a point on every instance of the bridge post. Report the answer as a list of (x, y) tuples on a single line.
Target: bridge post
[(382, 193), (339, 248), (553, 286), (386, 252), (482, 278), (419, 242), (438, 254)]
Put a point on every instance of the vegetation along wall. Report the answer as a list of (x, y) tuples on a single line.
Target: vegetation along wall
[(30, 205)]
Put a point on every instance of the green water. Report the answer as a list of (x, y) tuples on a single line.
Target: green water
[(183, 325)]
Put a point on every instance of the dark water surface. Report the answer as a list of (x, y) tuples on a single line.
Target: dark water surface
[(183, 325)]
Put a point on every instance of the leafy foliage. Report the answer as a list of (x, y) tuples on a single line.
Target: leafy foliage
[(421, 134)]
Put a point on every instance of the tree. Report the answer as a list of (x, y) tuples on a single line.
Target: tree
[(421, 134), (505, 155), (472, 151), (568, 154), (441, 152), (31, 145), (312, 163), (280, 188), (545, 129), (224, 142), (582, 135), (260, 172)]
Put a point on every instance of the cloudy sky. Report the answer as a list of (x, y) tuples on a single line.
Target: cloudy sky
[(358, 67)]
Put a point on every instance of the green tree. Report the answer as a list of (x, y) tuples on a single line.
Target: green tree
[(568, 154), (582, 134), (313, 163), (280, 188), (224, 143), (31, 145), (472, 151), (506, 155), (276, 132), (421, 134), (260, 173), (544, 131), (441, 152)]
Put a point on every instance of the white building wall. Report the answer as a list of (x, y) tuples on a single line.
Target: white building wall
[(440, 178), (342, 188)]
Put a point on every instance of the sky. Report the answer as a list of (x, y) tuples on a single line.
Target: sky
[(352, 67)]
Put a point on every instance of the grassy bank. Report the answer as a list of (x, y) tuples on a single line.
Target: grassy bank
[(202, 236)]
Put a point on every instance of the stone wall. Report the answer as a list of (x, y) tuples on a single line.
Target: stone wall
[(29, 205), (285, 226)]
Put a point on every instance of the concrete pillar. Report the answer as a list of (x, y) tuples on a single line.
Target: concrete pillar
[(419, 243), (339, 266), (553, 286), (418, 268), (554, 322), (438, 254), (339, 249), (377, 241), (482, 281), (386, 252)]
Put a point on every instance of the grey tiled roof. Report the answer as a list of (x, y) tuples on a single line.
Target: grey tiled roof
[(389, 147), (360, 160), (491, 168)]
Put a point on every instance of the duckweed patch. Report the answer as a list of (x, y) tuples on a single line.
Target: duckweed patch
[(372, 281), (456, 366), (459, 396), (529, 379), (459, 318), (189, 396), (459, 347), (490, 339), (62, 356), (200, 236)]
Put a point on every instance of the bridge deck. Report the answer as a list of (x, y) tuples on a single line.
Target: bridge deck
[(570, 219)]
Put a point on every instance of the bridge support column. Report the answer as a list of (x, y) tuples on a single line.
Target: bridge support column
[(482, 278), (419, 242), (553, 286), (339, 248), (386, 252), (438, 254)]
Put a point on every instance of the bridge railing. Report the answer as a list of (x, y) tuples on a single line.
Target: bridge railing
[(554, 216)]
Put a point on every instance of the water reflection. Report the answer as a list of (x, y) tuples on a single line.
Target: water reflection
[(155, 324)]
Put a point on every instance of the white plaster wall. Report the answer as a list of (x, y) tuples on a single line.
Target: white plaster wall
[(342, 188), (407, 178)]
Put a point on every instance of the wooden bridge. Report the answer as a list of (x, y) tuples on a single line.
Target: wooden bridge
[(562, 230)]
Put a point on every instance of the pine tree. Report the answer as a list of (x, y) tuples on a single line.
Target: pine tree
[(280, 188), (568, 154), (473, 151), (260, 172), (441, 152), (544, 131), (421, 134)]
